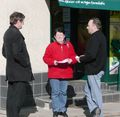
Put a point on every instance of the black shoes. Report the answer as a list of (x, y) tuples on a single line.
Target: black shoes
[(96, 112), (55, 114), (64, 114)]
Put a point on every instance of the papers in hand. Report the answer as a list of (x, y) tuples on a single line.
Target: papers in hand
[(63, 61)]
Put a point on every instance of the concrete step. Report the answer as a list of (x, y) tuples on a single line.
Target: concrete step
[(75, 92), (108, 96)]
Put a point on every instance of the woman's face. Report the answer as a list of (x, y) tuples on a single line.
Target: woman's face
[(59, 36)]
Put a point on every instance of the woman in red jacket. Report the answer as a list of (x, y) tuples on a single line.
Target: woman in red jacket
[(60, 57)]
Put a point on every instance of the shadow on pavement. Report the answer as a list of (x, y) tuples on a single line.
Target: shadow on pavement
[(70, 94), (25, 112), (82, 103)]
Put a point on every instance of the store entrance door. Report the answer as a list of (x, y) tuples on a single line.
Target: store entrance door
[(79, 35)]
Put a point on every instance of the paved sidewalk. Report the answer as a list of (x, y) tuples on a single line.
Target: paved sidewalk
[(110, 110)]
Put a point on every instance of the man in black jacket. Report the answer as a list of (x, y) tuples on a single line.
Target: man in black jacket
[(94, 60), (18, 67)]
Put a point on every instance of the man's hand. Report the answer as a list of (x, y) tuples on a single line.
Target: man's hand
[(78, 59), (81, 55)]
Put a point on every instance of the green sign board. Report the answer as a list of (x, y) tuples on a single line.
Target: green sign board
[(92, 4)]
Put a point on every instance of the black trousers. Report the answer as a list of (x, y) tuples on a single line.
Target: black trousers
[(15, 98)]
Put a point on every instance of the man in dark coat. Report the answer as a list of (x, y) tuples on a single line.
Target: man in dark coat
[(18, 67), (94, 59)]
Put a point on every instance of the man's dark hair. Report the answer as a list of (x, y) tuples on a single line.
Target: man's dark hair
[(14, 17), (97, 22)]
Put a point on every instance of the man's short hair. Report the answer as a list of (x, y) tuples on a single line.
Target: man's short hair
[(97, 22), (14, 17)]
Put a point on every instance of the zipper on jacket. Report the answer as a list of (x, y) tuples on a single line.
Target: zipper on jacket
[(61, 48)]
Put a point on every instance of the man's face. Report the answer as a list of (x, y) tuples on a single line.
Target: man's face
[(19, 24), (90, 27), (59, 37)]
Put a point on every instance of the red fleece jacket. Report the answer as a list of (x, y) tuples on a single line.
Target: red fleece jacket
[(59, 52)]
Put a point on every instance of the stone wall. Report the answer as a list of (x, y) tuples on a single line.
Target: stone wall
[(37, 88)]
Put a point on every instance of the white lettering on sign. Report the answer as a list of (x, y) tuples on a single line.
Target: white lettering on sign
[(86, 2)]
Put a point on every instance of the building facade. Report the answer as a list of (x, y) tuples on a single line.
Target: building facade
[(36, 31)]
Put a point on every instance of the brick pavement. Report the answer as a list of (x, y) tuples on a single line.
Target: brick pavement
[(110, 110)]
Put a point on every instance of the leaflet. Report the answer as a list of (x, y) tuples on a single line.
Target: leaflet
[(63, 61)]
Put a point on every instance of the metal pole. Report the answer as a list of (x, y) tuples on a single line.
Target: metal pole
[(118, 83)]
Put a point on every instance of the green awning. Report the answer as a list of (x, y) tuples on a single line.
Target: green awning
[(92, 4)]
